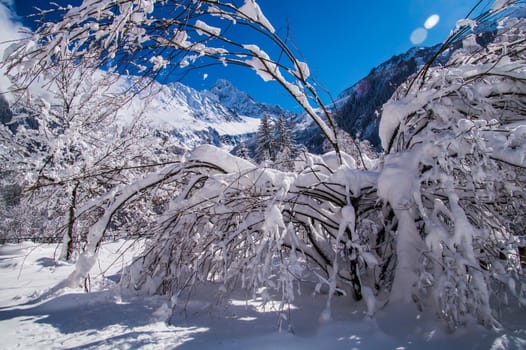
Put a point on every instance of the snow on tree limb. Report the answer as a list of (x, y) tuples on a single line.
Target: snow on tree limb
[(251, 10), (205, 29), (456, 141), (96, 232), (130, 35), (437, 221)]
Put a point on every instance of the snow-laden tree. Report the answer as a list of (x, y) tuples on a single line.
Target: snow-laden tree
[(82, 146), (454, 177), (434, 223), (361, 150), (274, 144), (164, 38), (243, 151), (237, 225), (283, 134), (265, 143), (285, 149), (150, 39)]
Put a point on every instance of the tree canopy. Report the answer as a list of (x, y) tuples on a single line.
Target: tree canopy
[(435, 223)]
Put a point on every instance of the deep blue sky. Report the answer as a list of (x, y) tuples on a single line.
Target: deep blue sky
[(341, 40)]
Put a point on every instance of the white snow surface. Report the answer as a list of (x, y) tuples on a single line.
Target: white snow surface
[(395, 110), (205, 29), (182, 108), (32, 316), (252, 11), (213, 155)]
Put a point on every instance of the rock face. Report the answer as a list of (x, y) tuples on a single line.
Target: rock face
[(242, 103), (5, 112), (361, 105), (358, 108)]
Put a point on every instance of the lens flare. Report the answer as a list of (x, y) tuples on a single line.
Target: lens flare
[(431, 21), (418, 36)]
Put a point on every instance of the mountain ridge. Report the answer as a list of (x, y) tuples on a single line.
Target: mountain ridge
[(223, 115), (242, 103)]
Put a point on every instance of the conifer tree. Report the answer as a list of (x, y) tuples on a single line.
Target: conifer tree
[(243, 151), (285, 149), (264, 141)]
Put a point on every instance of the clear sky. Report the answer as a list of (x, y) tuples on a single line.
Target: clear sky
[(341, 40)]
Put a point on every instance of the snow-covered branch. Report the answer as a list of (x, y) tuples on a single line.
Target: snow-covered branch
[(131, 35), (454, 174)]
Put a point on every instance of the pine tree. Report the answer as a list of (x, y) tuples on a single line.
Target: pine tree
[(285, 149), (265, 141), (283, 134), (243, 151)]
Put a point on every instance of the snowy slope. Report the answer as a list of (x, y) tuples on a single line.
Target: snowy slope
[(242, 103), (196, 117), (33, 318), (222, 116)]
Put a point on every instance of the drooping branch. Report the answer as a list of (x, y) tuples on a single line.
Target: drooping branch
[(157, 39)]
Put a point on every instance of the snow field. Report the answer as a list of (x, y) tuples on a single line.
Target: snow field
[(32, 316)]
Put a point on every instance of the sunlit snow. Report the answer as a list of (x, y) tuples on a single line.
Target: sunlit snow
[(104, 319), (324, 253)]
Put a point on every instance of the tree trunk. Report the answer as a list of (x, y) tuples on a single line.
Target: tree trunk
[(69, 243)]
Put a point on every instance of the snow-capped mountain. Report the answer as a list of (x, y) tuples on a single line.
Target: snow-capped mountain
[(195, 117), (242, 103), (223, 115), (197, 104), (358, 108)]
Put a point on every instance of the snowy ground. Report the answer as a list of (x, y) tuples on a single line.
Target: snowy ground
[(31, 317)]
